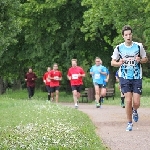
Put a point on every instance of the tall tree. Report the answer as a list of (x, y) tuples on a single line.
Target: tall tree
[(10, 26), (105, 19)]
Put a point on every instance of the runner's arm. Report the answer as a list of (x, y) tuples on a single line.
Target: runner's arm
[(143, 56), (44, 78), (82, 75), (25, 77), (104, 73), (91, 71), (116, 57), (60, 76), (143, 60), (117, 79), (69, 77), (115, 63), (107, 78)]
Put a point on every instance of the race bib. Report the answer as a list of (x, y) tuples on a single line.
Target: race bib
[(56, 78), (97, 76), (130, 61), (75, 76)]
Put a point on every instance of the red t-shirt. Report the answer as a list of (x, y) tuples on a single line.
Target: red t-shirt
[(46, 78), (73, 72), (55, 74)]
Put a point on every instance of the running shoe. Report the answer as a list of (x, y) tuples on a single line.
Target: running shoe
[(122, 105), (76, 106), (135, 115), (129, 127), (98, 105)]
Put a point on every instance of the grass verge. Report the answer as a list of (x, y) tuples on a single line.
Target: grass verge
[(37, 124)]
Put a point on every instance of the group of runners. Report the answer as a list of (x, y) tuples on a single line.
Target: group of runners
[(128, 56), (99, 73)]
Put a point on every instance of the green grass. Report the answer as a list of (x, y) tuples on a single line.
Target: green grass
[(37, 124), (39, 95)]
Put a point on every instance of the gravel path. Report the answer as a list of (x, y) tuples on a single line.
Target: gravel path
[(110, 122)]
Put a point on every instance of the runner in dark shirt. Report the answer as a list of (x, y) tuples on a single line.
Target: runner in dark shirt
[(30, 78)]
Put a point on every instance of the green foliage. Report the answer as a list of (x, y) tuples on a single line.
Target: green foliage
[(116, 14), (39, 33), (9, 23)]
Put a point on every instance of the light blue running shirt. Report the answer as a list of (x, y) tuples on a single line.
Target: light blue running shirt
[(97, 76), (130, 69)]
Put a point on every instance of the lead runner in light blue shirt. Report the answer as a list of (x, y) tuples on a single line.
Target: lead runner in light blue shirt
[(128, 56), (98, 73)]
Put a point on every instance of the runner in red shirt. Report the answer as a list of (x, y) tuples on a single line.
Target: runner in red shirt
[(75, 75), (46, 80), (55, 76)]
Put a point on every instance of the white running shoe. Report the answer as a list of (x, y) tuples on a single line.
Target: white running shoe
[(76, 106)]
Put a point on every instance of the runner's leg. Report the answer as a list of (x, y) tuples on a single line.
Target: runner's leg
[(128, 99), (78, 91), (103, 94), (57, 95), (122, 99), (74, 92), (52, 92), (97, 93), (136, 105), (29, 92)]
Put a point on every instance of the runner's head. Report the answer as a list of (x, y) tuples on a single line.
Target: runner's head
[(98, 61), (48, 69), (30, 69), (127, 34), (74, 62), (55, 66)]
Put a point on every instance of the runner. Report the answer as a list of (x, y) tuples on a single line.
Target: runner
[(55, 77), (122, 95), (75, 75), (98, 73), (46, 80), (30, 78), (129, 56)]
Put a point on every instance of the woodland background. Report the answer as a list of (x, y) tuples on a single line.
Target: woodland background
[(38, 33)]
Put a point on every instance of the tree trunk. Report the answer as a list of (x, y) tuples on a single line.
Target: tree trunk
[(2, 88), (112, 80)]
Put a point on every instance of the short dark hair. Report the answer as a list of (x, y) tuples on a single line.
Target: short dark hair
[(74, 60), (29, 67), (55, 64), (97, 58), (125, 28)]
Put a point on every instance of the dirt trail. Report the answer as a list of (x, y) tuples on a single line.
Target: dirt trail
[(110, 122)]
